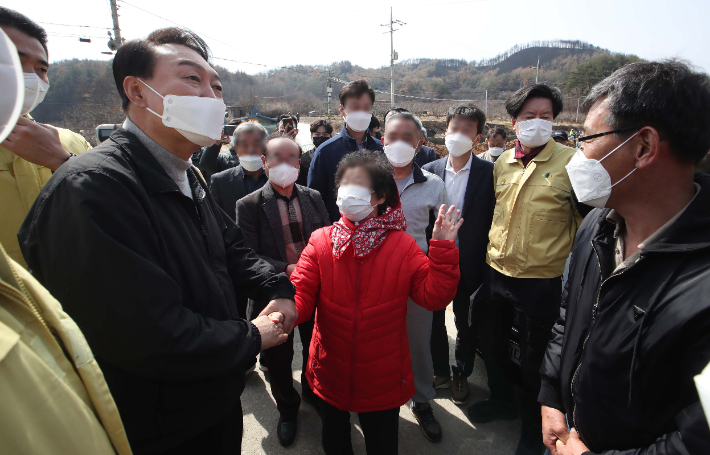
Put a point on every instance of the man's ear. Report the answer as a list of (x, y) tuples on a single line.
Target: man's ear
[(134, 91), (649, 145), (341, 109)]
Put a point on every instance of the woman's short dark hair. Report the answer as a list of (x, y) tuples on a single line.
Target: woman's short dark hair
[(381, 173), (666, 95), (468, 110), (137, 57), (318, 123), (497, 131), (515, 102), (356, 89), (13, 19)]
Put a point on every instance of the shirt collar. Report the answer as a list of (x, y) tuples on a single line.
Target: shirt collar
[(466, 167), (620, 224)]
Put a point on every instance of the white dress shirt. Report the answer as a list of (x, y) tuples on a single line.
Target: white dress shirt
[(455, 183)]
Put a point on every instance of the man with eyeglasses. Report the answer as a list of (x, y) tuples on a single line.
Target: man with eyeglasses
[(534, 225), (634, 327)]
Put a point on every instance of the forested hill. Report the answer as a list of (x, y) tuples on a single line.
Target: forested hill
[(83, 93)]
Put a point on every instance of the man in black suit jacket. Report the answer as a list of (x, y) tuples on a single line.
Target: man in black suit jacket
[(465, 175), (230, 185), (277, 222)]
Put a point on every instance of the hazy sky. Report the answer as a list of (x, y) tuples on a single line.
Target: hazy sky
[(277, 33)]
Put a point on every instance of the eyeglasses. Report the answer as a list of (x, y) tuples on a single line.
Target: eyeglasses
[(621, 130)]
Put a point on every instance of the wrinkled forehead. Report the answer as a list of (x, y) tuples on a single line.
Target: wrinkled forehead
[(402, 125), (282, 146)]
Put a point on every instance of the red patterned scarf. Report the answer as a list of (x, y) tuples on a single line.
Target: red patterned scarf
[(367, 236)]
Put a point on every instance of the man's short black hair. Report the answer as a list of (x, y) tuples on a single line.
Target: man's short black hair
[(381, 173), (497, 131), (11, 18), (374, 123), (666, 95), (468, 110), (356, 89), (278, 135), (137, 57), (396, 109), (515, 102), (321, 122), (288, 116)]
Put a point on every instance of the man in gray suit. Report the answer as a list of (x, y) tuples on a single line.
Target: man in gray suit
[(277, 221)]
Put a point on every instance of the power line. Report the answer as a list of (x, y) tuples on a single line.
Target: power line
[(70, 25)]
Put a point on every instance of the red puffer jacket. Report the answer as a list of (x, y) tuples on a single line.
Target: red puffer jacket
[(359, 354)]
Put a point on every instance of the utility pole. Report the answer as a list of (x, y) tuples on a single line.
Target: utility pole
[(537, 71), (116, 41), (329, 92), (393, 54)]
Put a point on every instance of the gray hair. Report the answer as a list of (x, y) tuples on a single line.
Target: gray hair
[(246, 127), (408, 116), (424, 133), (667, 95)]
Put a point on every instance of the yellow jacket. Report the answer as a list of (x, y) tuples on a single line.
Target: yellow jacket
[(54, 397), (535, 221), (20, 184)]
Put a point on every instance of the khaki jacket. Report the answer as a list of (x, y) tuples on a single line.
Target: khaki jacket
[(50, 404), (20, 184), (535, 220)]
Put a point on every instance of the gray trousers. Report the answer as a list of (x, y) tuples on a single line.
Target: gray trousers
[(419, 322)]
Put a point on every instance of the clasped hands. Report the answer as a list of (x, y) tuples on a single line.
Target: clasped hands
[(276, 322)]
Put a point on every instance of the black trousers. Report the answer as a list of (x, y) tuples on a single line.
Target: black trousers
[(380, 429), (278, 360), (225, 438), (466, 336), (534, 305)]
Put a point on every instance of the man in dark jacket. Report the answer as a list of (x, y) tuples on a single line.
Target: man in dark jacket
[(425, 154), (469, 185), (634, 327), (228, 186), (278, 221), (130, 241), (321, 131), (211, 159), (356, 100)]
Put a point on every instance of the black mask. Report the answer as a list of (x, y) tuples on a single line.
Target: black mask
[(378, 135), (317, 141)]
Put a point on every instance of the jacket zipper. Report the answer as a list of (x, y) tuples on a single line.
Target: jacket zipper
[(589, 332), (352, 353), (5, 288)]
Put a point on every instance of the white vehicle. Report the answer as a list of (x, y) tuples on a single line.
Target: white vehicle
[(105, 130)]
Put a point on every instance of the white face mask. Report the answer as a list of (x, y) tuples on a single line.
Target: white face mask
[(496, 151), (35, 90), (250, 163), (399, 153), (283, 175), (200, 119), (359, 121), (590, 180), (354, 202), (458, 143), (13, 89), (534, 132)]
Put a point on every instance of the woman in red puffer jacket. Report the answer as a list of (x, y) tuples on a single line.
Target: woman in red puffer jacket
[(357, 276)]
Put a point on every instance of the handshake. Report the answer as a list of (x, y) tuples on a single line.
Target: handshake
[(275, 322)]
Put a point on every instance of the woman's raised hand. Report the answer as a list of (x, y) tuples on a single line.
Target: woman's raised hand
[(446, 226)]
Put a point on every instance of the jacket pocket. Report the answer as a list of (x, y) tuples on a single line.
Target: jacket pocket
[(546, 232), (496, 235)]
